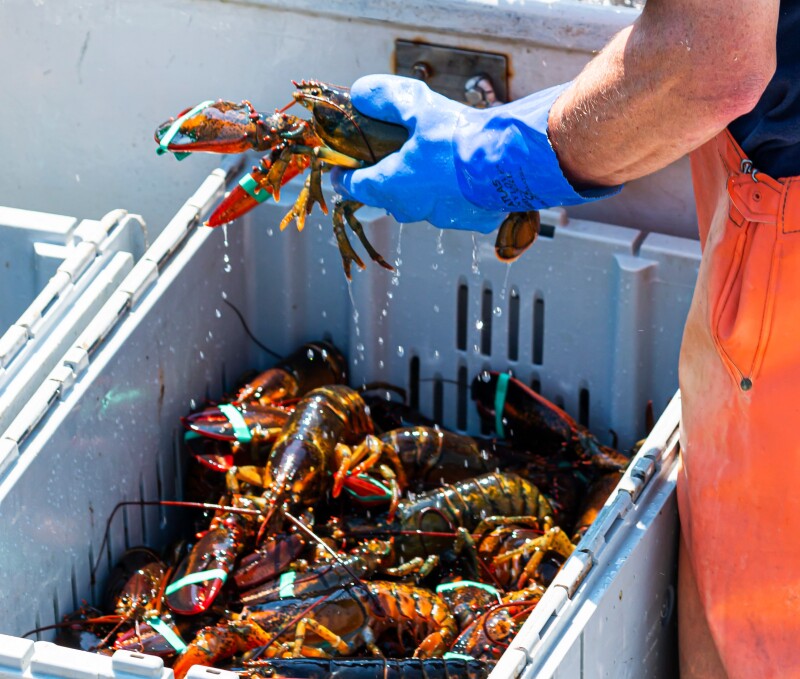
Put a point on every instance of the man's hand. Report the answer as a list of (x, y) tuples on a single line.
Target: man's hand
[(419, 181), (461, 168)]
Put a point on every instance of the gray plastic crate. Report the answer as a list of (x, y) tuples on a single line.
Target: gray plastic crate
[(592, 315), (60, 271)]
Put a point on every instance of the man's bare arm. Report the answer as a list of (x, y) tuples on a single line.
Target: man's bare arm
[(662, 87)]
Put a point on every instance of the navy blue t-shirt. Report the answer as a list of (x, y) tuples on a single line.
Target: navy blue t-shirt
[(770, 133)]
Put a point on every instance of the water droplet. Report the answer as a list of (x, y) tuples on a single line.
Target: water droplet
[(380, 364), (202, 355), (436, 308), (436, 354), (218, 313), (478, 325), (224, 295), (380, 341), (439, 244), (360, 347), (400, 351), (270, 232), (384, 313), (390, 294), (227, 268), (324, 314), (497, 311), (434, 266)]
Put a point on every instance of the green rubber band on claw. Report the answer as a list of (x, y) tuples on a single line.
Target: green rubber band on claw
[(387, 492), (240, 429), (194, 578), (254, 189), (175, 127), (286, 585), (500, 403), (456, 656), (168, 633), (448, 586)]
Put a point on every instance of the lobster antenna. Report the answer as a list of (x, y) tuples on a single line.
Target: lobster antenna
[(259, 344), (159, 503)]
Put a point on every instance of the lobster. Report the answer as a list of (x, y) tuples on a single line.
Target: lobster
[(516, 552), (337, 134), (296, 473), (257, 412), (338, 623), (425, 530), (488, 634), (313, 365), (134, 592), (525, 417), (436, 525), (431, 456)]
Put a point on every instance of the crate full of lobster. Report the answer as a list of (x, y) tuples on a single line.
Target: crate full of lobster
[(346, 524), (259, 465)]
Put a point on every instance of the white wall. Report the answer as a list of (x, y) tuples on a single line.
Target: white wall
[(85, 82)]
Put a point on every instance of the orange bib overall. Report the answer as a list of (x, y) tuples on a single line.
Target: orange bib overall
[(739, 486)]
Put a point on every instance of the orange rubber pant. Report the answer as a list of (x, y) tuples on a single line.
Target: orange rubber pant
[(739, 484)]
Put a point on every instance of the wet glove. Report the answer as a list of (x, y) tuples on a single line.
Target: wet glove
[(461, 168)]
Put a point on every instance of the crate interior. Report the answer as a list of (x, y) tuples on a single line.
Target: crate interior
[(589, 316)]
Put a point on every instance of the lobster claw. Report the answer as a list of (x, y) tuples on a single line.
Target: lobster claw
[(213, 127), (242, 422), (255, 188), (200, 577)]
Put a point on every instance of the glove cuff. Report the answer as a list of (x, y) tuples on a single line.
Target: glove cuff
[(504, 160)]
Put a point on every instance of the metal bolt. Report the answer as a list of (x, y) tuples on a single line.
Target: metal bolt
[(421, 71)]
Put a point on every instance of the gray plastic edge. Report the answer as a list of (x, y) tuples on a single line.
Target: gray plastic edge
[(564, 24)]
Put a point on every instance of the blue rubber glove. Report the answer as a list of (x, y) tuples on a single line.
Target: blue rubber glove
[(461, 168)]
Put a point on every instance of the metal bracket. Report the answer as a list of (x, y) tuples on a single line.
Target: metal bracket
[(456, 73)]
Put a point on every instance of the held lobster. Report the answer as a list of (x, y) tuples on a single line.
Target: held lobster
[(337, 134)]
